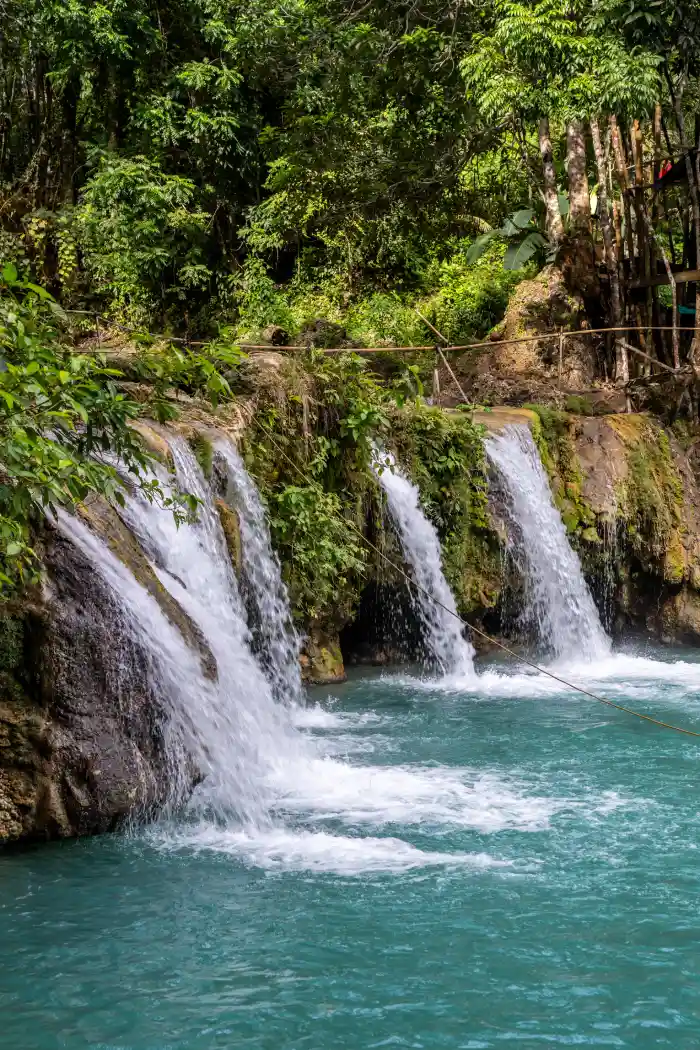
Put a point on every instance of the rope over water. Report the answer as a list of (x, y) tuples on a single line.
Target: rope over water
[(483, 634)]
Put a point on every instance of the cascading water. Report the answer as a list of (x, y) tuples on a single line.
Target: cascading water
[(270, 789), (450, 650), (277, 641), (174, 671), (558, 602), (232, 729)]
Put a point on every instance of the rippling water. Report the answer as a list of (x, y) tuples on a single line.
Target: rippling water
[(464, 866)]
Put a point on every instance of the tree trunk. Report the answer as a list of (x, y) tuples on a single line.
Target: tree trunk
[(638, 160), (579, 198), (555, 226), (606, 226), (621, 165), (693, 182)]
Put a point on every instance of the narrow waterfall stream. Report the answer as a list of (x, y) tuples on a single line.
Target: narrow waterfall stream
[(451, 651), (277, 639), (558, 602)]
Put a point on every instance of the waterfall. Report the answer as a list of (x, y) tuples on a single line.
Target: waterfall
[(234, 733), (558, 602), (448, 647), (173, 670), (276, 640)]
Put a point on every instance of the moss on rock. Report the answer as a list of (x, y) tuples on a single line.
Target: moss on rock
[(232, 532), (322, 660)]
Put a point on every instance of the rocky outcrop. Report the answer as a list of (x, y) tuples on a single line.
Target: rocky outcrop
[(321, 659), (631, 503), (80, 746), (528, 362), (81, 742)]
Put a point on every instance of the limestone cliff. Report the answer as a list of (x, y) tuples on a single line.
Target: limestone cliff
[(631, 503), (81, 743)]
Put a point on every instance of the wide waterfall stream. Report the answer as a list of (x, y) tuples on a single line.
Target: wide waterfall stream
[(478, 859)]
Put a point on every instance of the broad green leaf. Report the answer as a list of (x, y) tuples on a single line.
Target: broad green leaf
[(41, 292), (9, 273), (517, 255), (522, 218), (477, 249)]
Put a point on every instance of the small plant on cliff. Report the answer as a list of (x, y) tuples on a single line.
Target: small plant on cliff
[(312, 535), (196, 371)]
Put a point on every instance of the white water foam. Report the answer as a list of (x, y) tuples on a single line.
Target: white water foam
[(558, 602), (319, 852), (618, 675), (357, 795), (432, 598)]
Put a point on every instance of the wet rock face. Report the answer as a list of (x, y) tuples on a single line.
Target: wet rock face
[(636, 482), (321, 659), (81, 746)]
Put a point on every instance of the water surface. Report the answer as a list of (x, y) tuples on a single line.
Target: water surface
[(458, 866)]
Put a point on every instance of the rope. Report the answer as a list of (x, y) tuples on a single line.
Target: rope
[(381, 349), (478, 630)]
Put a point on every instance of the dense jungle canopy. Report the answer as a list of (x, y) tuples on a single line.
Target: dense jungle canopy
[(161, 159), (208, 168)]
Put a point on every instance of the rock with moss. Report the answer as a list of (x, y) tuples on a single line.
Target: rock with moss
[(231, 527), (322, 659), (632, 506)]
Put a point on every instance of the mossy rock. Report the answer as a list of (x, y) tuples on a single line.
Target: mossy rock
[(155, 443), (590, 535), (204, 452), (321, 660), (231, 527)]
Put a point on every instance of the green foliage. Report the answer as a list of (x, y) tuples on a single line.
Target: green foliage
[(469, 298), (579, 405), (551, 57), (59, 414), (522, 236), (445, 456), (314, 539), (142, 237), (311, 460), (179, 165), (195, 371), (463, 299)]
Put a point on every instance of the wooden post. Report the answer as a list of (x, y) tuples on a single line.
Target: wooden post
[(561, 354), (621, 165), (638, 153), (436, 386)]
